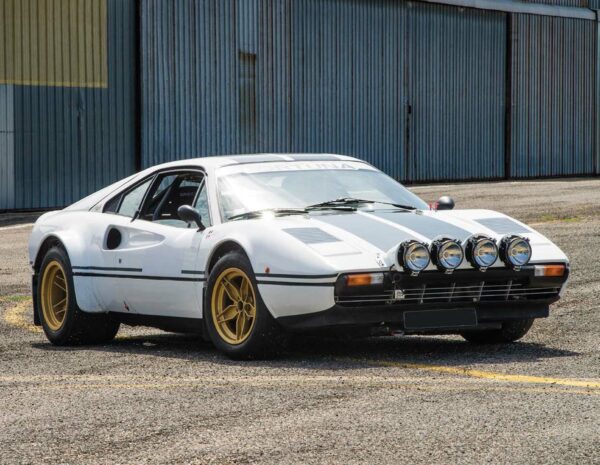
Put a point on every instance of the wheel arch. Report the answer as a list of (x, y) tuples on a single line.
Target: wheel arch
[(72, 246), (223, 248), (49, 242)]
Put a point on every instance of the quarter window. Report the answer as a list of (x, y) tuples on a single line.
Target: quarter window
[(128, 204)]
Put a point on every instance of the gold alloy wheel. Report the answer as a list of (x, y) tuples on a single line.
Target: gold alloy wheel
[(233, 306), (54, 295)]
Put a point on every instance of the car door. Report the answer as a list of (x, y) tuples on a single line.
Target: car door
[(155, 254)]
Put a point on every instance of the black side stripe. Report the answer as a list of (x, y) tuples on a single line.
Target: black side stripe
[(295, 283), (106, 268), (299, 276), (192, 272), (133, 276)]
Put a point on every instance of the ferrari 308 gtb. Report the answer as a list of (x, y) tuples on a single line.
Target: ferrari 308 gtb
[(244, 250)]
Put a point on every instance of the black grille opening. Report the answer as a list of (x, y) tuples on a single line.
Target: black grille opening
[(453, 290)]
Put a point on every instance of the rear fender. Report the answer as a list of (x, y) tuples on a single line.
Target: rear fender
[(76, 250)]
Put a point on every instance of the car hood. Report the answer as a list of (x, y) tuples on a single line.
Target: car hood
[(369, 239)]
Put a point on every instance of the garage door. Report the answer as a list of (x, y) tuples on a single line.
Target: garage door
[(456, 73), (416, 89)]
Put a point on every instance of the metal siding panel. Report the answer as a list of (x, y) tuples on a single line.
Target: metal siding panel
[(7, 146), (347, 92), (457, 92), (73, 138), (240, 76), (305, 90), (553, 82), (225, 85), (576, 3)]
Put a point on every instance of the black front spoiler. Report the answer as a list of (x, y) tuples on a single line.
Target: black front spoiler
[(487, 315)]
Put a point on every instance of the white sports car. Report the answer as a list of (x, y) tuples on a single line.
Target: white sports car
[(246, 249)]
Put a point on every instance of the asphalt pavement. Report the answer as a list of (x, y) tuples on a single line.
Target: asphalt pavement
[(155, 398)]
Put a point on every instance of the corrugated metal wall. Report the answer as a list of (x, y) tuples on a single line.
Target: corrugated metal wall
[(578, 3), (241, 76), (553, 96), (7, 148), (420, 90), (342, 102), (457, 75), (68, 67), (215, 78)]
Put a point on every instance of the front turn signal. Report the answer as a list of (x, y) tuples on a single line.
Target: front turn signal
[(364, 279), (550, 270)]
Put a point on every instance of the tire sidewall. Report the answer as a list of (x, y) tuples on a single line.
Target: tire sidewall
[(263, 339), (61, 335)]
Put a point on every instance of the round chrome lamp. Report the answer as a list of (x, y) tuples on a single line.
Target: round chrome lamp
[(413, 256), (515, 251), (447, 254), (482, 252)]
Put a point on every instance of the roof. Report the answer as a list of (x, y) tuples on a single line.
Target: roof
[(227, 160), (209, 164)]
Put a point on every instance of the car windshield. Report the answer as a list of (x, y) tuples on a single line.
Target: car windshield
[(296, 185)]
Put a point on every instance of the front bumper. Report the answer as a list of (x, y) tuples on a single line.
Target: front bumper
[(488, 316), (435, 302)]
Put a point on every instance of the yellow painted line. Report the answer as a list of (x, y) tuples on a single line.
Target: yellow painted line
[(471, 373), (408, 387), (415, 385), (15, 316)]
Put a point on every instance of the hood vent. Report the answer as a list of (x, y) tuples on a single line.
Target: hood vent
[(311, 235), (503, 225)]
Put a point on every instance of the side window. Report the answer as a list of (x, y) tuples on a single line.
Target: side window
[(132, 200), (159, 191), (167, 194), (201, 205)]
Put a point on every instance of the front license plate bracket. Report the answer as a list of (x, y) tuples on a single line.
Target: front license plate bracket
[(440, 319)]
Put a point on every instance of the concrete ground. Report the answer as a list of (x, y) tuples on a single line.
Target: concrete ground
[(155, 398)]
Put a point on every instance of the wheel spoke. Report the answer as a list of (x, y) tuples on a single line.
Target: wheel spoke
[(60, 285), (60, 303), (251, 312), (240, 324), (245, 289), (61, 311), (231, 290), (229, 313)]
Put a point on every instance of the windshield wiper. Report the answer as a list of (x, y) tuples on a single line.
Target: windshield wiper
[(350, 201), (276, 211)]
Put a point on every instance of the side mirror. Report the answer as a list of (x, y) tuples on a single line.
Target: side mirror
[(190, 215), (445, 203)]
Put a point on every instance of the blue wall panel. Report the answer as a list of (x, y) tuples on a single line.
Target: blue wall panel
[(72, 138), (215, 78), (553, 96), (348, 78), (457, 75), (244, 76)]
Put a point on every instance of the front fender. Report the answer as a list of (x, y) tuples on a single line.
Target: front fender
[(292, 278), (269, 250)]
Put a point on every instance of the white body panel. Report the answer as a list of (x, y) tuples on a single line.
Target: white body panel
[(160, 269)]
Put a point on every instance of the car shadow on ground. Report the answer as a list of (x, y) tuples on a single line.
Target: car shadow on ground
[(328, 353)]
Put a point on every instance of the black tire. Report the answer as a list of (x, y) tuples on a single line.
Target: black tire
[(511, 331), (77, 327), (266, 339)]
